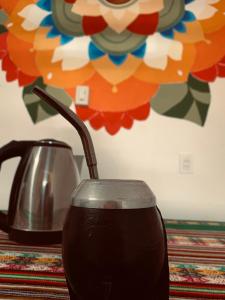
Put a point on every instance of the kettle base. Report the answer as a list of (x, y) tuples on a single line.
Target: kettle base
[(35, 237)]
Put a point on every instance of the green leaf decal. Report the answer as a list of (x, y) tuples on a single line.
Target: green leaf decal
[(188, 100), (38, 109), (3, 17), (3, 29)]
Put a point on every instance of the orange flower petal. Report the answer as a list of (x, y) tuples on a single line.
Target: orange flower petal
[(209, 53), (127, 95), (221, 68), (3, 45), (210, 74), (176, 71), (114, 74), (52, 72), (54, 75), (43, 43), (13, 73), (193, 34), (8, 5), (97, 121), (127, 121), (86, 113), (23, 56), (140, 113), (207, 75), (113, 121), (16, 21), (217, 21)]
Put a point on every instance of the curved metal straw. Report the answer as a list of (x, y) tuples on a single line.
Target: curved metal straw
[(78, 124)]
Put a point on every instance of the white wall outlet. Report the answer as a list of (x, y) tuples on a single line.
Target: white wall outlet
[(185, 163), (82, 95)]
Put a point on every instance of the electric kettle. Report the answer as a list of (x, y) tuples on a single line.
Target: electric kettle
[(114, 238), (40, 196)]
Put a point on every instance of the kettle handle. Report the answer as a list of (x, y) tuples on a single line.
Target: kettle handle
[(10, 150), (13, 149)]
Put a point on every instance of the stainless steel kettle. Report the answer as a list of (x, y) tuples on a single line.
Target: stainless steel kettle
[(40, 195), (114, 238)]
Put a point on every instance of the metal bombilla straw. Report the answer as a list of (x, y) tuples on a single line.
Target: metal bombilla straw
[(78, 124)]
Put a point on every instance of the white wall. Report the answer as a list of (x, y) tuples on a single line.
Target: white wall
[(150, 151)]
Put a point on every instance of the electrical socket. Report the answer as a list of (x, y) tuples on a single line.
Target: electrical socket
[(82, 95), (186, 163)]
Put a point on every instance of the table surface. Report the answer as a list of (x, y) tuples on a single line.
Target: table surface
[(196, 259)]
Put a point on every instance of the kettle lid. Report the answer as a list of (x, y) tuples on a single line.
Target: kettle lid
[(113, 194), (51, 143)]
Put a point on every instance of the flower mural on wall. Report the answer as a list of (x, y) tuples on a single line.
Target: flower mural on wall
[(135, 55)]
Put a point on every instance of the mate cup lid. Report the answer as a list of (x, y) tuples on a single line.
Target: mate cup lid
[(113, 194)]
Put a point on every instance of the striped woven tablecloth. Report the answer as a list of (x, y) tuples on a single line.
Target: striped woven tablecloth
[(196, 257)]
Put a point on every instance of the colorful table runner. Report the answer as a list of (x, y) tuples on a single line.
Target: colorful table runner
[(196, 257)]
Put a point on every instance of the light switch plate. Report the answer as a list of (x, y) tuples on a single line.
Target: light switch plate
[(82, 95)]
